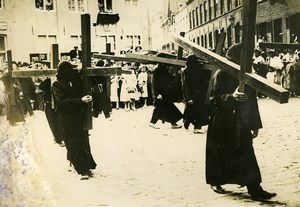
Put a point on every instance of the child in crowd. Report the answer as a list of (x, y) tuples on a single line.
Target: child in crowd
[(142, 85)]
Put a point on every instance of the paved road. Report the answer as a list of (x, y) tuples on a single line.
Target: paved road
[(140, 166)]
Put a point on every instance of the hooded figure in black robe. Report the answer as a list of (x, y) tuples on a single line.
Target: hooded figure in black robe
[(194, 87), (69, 103), (164, 88), (235, 121)]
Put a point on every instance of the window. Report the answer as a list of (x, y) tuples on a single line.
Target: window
[(131, 2), (193, 18), (80, 6), (1, 4), (222, 6), (46, 5), (76, 5), (133, 40), (2, 49), (229, 5), (205, 11), (190, 18), (197, 17), (238, 3), (44, 42), (112, 40), (216, 7), (105, 5), (201, 14), (210, 40), (209, 10)]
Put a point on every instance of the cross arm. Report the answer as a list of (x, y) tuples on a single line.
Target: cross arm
[(278, 45), (110, 57), (270, 89), (101, 71), (147, 59), (33, 73)]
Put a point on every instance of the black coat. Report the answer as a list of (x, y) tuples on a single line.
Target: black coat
[(194, 86), (69, 109), (230, 157), (75, 54), (165, 85)]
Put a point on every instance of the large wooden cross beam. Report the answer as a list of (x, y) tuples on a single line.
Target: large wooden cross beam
[(272, 90), (89, 72), (277, 45), (146, 59)]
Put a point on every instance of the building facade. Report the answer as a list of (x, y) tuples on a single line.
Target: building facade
[(31, 26), (204, 20)]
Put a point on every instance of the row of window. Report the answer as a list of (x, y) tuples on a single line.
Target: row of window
[(48, 5), (75, 5), (131, 40), (210, 9)]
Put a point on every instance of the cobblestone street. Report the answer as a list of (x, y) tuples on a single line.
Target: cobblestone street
[(141, 166)]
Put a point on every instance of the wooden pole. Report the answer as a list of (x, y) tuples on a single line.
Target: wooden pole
[(10, 85), (54, 56), (86, 62), (248, 28)]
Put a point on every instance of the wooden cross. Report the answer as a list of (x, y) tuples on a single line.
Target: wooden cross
[(272, 90), (87, 71), (243, 72)]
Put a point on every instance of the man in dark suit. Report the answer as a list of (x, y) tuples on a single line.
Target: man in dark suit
[(76, 53)]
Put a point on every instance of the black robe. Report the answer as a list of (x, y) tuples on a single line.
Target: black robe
[(164, 84), (230, 157), (69, 109), (15, 111), (49, 111), (194, 86)]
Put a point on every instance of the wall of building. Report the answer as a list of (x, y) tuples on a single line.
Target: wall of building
[(31, 30), (277, 22)]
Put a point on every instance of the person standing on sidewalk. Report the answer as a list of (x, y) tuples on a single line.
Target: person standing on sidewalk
[(194, 89), (235, 121), (69, 102), (163, 88)]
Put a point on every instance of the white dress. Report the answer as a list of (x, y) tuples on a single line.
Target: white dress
[(114, 89), (129, 82)]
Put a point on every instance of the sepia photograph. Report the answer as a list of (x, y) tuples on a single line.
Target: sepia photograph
[(149, 103)]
